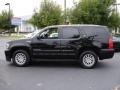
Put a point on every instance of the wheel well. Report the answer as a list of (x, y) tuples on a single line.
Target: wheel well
[(20, 48), (95, 50)]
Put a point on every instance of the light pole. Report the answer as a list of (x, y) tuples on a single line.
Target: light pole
[(65, 11), (74, 2), (9, 18), (116, 4)]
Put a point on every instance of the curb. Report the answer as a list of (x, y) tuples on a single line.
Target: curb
[(117, 87)]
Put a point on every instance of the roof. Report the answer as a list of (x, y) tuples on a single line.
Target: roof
[(77, 25)]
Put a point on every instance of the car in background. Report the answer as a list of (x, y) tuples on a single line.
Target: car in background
[(116, 42)]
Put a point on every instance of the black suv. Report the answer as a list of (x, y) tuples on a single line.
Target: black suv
[(83, 43)]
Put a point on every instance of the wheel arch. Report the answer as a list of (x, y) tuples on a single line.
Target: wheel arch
[(27, 49), (94, 49)]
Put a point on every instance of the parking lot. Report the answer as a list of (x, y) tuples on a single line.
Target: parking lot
[(58, 75)]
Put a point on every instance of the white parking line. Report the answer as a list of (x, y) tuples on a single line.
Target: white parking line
[(39, 84), (117, 87)]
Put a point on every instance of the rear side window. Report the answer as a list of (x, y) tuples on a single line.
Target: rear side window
[(95, 30), (70, 33)]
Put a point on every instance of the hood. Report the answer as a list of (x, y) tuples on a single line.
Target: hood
[(23, 40)]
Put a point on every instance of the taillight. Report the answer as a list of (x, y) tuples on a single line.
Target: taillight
[(110, 43)]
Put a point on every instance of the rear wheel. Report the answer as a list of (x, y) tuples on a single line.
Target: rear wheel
[(88, 59), (20, 58)]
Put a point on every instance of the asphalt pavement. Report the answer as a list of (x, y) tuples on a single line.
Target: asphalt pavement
[(58, 75)]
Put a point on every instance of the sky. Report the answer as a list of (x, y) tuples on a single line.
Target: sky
[(26, 7)]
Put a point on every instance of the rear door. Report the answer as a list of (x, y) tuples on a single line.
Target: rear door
[(69, 41)]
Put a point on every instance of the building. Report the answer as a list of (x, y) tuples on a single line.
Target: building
[(24, 26)]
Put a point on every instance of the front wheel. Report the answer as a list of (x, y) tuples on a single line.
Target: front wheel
[(20, 58), (88, 59)]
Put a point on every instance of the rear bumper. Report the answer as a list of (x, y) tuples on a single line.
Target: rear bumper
[(106, 54), (8, 55)]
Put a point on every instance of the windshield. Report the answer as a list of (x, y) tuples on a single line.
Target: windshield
[(35, 33)]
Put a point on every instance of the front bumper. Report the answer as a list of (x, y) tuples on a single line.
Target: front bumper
[(8, 55), (106, 54)]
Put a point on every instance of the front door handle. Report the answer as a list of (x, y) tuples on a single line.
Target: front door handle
[(55, 43)]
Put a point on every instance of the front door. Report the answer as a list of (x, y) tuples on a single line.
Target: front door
[(47, 45)]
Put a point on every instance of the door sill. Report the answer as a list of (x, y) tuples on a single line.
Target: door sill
[(34, 59)]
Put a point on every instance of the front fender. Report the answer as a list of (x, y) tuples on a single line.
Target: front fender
[(18, 46)]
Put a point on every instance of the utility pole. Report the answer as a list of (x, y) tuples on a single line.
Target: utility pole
[(65, 11), (74, 2), (116, 4), (116, 10), (9, 18)]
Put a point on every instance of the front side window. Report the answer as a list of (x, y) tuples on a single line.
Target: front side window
[(51, 33), (70, 33)]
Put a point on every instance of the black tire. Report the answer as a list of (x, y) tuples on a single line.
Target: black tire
[(88, 59), (25, 58)]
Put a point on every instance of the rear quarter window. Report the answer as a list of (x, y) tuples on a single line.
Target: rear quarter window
[(101, 34), (95, 30)]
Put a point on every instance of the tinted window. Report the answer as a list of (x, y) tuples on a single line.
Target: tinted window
[(89, 30), (70, 32), (51, 33)]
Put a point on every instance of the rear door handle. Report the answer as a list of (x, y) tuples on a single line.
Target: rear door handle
[(55, 43)]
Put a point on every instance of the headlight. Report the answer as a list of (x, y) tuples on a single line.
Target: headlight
[(7, 45)]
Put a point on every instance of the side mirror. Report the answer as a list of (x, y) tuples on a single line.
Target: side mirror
[(38, 37)]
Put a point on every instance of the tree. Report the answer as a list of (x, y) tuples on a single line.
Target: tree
[(85, 12), (50, 13), (105, 8), (5, 20), (94, 12), (114, 21)]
